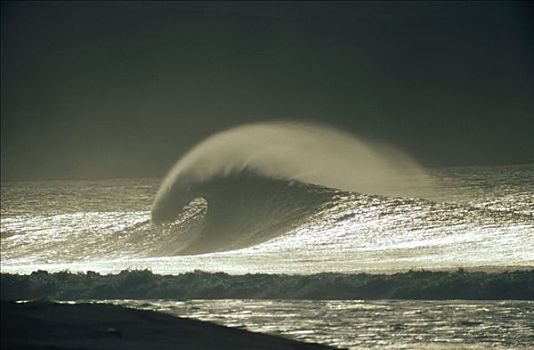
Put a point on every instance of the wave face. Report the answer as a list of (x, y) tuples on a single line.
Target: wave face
[(259, 180), (244, 210)]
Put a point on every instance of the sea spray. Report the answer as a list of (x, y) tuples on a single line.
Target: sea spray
[(260, 181), (308, 153)]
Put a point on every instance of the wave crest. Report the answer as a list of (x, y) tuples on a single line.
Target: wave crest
[(259, 179)]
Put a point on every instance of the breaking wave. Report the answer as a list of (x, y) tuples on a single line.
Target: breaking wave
[(143, 284), (258, 181)]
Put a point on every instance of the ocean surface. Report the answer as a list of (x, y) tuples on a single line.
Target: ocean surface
[(471, 217)]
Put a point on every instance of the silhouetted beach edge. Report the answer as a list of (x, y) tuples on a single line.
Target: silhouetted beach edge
[(47, 325)]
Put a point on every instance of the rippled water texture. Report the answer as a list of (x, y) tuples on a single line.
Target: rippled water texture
[(471, 217), (387, 324)]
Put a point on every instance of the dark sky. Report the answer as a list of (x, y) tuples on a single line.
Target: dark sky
[(122, 89)]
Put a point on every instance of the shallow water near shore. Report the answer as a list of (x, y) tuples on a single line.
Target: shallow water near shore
[(358, 324)]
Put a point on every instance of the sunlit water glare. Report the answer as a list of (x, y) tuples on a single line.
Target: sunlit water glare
[(473, 217)]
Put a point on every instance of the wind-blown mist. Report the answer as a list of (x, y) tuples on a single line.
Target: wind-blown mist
[(260, 181), (308, 153)]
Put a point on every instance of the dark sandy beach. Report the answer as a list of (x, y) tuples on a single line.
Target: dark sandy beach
[(47, 325)]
